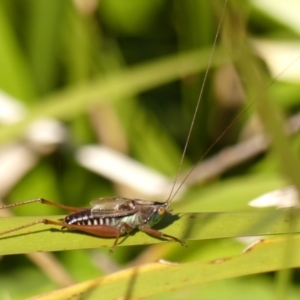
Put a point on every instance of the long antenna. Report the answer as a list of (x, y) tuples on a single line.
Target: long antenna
[(172, 193), (240, 115)]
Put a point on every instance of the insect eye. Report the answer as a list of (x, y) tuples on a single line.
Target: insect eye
[(161, 210)]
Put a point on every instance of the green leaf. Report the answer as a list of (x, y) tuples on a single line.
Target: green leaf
[(197, 226), (266, 256)]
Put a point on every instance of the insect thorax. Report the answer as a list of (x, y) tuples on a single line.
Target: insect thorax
[(150, 212)]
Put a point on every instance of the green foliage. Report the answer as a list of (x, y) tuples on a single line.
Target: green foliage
[(134, 69)]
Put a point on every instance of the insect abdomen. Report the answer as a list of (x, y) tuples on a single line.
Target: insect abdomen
[(86, 218)]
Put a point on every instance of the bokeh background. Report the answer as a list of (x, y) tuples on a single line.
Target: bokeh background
[(127, 75)]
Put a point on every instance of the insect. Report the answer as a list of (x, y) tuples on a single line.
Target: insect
[(110, 217)]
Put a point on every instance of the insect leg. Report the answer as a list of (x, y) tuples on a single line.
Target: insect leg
[(155, 232), (121, 230), (44, 221), (97, 230), (102, 231), (44, 201)]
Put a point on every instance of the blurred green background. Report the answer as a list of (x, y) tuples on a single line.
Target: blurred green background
[(55, 58)]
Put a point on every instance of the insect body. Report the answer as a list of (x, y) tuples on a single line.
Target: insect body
[(108, 217), (117, 216)]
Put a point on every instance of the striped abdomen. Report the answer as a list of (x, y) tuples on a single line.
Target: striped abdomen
[(86, 218)]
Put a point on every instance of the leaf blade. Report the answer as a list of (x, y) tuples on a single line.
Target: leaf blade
[(197, 226)]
